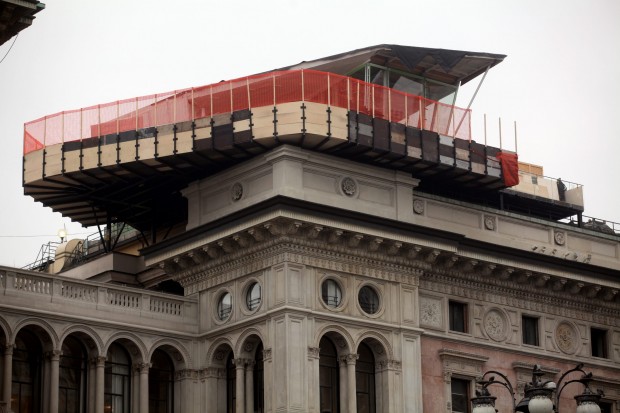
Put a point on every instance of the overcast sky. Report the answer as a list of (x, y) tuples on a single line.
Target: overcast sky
[(560, 81)]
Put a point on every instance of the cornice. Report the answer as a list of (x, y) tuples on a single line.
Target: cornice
[(338, 248), (526, 296)]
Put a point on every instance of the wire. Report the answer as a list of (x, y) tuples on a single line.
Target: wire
[(41, 236), (7, 52)]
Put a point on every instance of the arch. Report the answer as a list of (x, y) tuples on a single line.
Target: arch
[(248, 342), (131, 342), (379, 345), (5, 331), (218, 352), (87, 335), (178, 353), (339, 335), (42, 329)]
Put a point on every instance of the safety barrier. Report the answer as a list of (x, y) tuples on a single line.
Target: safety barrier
[(269, 89)]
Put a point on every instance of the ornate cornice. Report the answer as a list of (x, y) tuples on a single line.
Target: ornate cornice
[(301, 251), (527, 296), (389, 257)]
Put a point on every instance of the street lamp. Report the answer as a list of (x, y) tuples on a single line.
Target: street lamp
[(538, 394)]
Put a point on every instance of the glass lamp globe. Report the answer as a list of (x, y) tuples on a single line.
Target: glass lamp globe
[(588, 407), (486, 408), (540, 404)]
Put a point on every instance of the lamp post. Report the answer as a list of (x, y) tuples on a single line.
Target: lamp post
[(538, 394)]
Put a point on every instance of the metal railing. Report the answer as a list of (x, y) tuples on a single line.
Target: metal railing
[(593, 224), (45, 257), (268, 89)]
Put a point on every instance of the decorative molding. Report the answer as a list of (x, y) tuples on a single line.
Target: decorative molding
[(431, 312), (236, 191), (418, 206), (462, 363), (187, 374), (559, 237), (388, 365), (313, 352), (267, 354), (348, 186), (496, 324), (566, 337), (490, 222), (304, 252), (528, 297)]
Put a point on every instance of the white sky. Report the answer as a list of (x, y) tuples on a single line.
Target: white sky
[(559, 82)]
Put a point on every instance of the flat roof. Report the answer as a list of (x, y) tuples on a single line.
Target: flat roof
[(443, 65)]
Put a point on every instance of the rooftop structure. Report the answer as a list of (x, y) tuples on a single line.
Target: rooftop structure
[(325, 237)]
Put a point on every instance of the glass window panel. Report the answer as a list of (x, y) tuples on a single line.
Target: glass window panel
[(368, 299), (331, 293)]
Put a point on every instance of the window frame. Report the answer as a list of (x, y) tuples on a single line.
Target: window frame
[(217, 314), (525, 317), (600, 341), (465, 316), (250, 305), (340, 288), (468, 392)]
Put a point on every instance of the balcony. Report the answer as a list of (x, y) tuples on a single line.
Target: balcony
[(96, 302)]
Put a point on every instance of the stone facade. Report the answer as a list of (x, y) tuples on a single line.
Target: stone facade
[(341, 252)]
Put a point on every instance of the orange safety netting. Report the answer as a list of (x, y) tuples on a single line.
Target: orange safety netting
[(268, 89)]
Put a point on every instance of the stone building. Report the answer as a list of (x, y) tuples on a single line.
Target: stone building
[(322, 238)]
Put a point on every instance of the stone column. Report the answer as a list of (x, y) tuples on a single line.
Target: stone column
[(134, 388), (222, 387), (351, 388), (249, 386), (240, 385), (100, 382), (92, 377), (54, 358), (144, 386), (342, 378), (8, 375), (210, 374), (314, 398)]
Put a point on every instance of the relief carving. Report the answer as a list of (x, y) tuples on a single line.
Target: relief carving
[(430, 312), (495, 325), (566, 338)]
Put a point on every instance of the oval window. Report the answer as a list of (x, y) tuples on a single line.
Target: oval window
[(253, 296), (368, 299), (224, 306), (331, 293)]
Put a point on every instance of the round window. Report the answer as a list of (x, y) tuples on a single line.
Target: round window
[(368, 299), (253, 296), (331, 293), (224, 306)]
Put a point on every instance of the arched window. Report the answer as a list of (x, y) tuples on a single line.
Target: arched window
[(259, 381), (117, 380), (26, 386), (365, 380), (161, 383), (72, 380), (231, 377), (329, 386)]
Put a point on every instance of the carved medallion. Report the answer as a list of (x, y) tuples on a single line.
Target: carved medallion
[(248, 346), (348, 186), (489, 222), (566, 338), (560, 237), (495, 325), (430, 312), (236, 192), (418, 206)]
